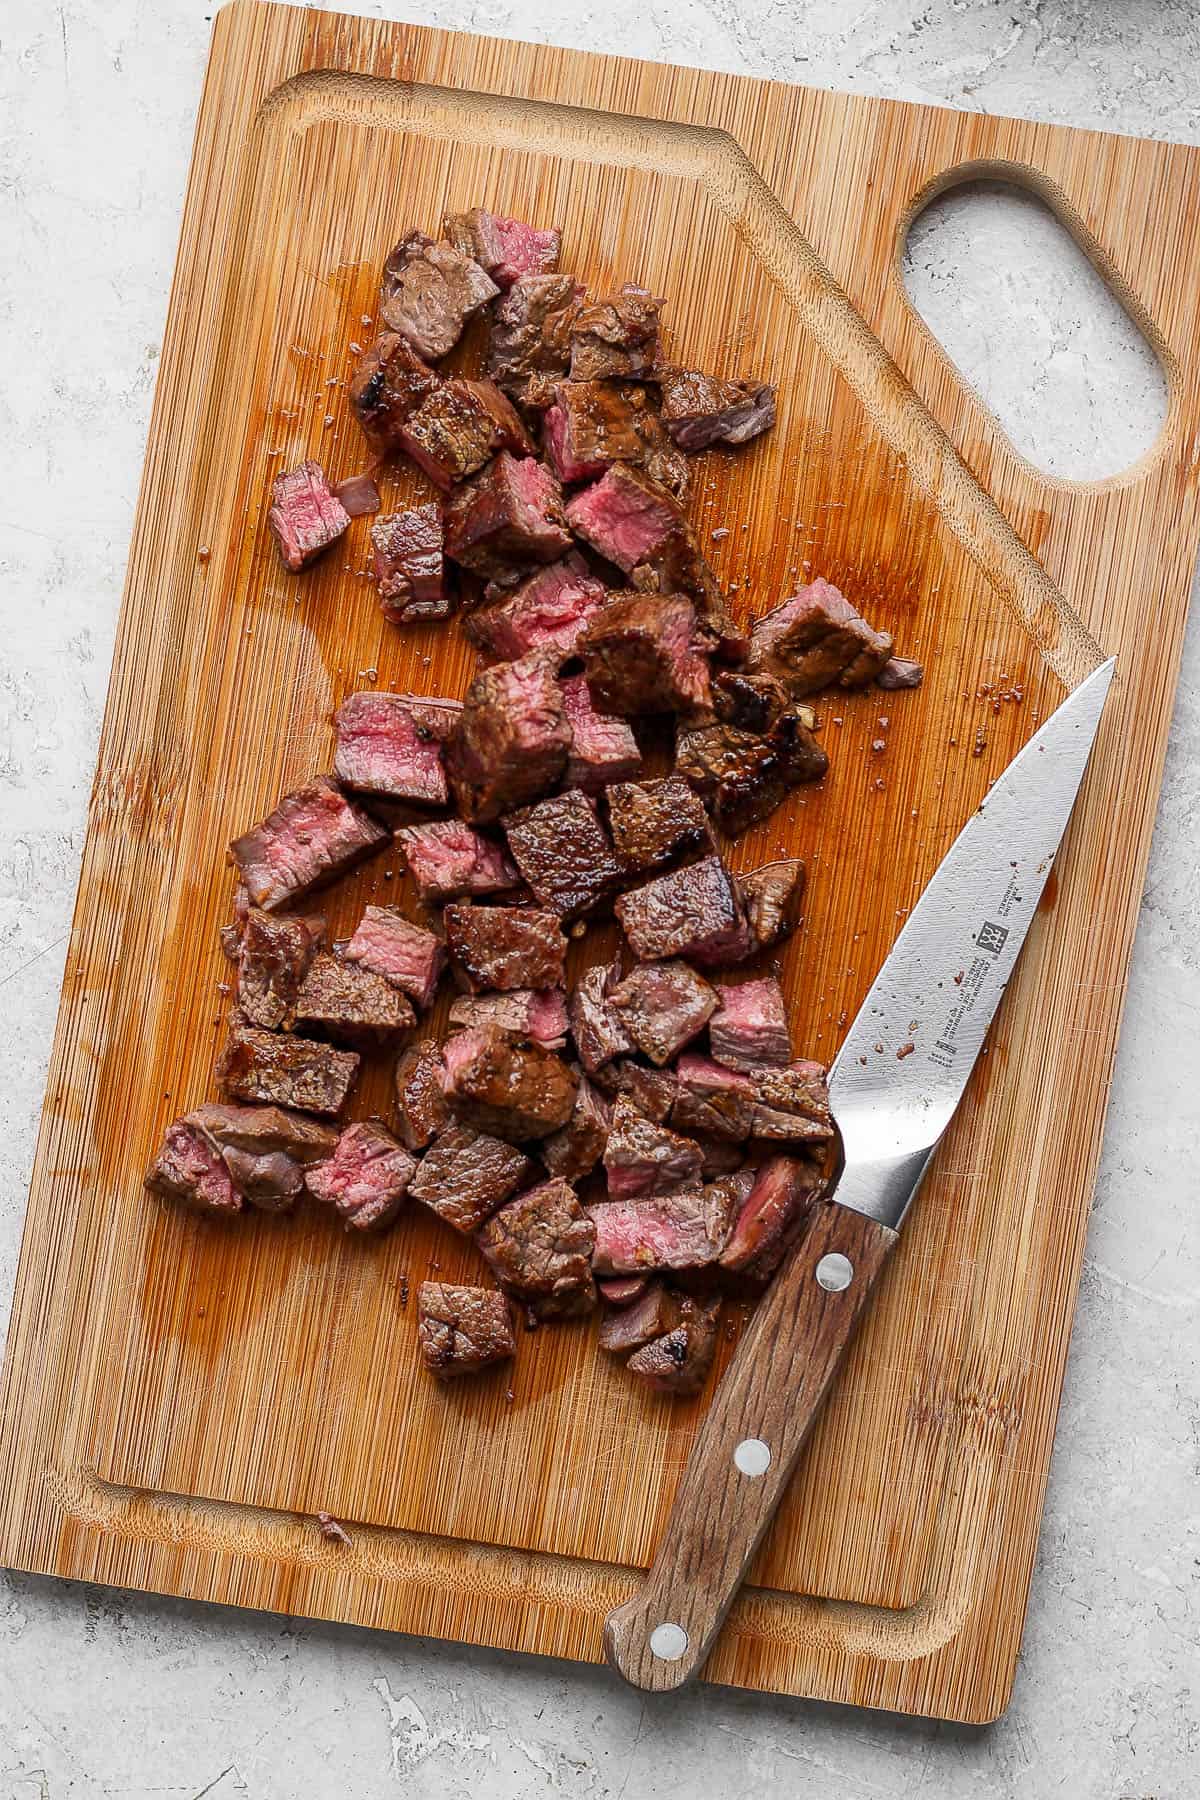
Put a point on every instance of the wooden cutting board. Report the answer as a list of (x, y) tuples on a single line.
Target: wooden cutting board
[(179, 1398)]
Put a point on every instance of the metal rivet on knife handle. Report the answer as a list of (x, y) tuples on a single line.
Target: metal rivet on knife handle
[(835, 1272), (668, 1642)]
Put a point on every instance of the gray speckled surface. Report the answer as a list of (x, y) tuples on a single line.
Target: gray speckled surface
[(109, 1694)]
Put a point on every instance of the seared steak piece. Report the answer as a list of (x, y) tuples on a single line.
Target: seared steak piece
[(429, 291), (661, 459), (623, 1290), (286, 1071), (549, 608), (389, 383), (305, 517), (512, 740), (514, 1090), (590, 426), (672, 1231), (751, 702), (407, 955), (564, 853), (506, 248), (699, 410), (722, 1158), (359, 495), (603, 748), (750, 1029), (617, 337), (461, 1330), (505, 947), (265, 1149), (626, 516), (900, 672), (531, 336), (366, 1178), (448, 859), (643, 1158), (663, 1006), (679, 1362), (815, 639), (695, 912), (652, 1091), (189, 1167), (712, 1100), (313, 835), (465, 1175), (506, 517), (351, 1004), (273, 958), (595, 1023), (409, 569), (792, 1104), (641, 655), (391, 745), (574, 1151), (743, 777), (772, 897), (420, 1093), (771, 1217), (539, 1248), (459, 427), (538, 1014), (656, 823), (651, 1314), (231, 934)]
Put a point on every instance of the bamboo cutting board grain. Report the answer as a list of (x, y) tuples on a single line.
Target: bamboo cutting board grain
[(180, 1398)]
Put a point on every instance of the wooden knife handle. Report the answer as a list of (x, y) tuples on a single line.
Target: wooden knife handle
[(748, 1446)]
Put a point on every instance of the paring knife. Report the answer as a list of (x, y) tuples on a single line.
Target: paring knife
[(893, 1089)]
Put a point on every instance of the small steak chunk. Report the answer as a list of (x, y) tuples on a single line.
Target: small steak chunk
[(512, 740), (792, 1104), (751, 1029), (505, 947), (626, 516), (773, 897), (420, 1093), (429, 291), (409, 569), (531, 336), (574, 1151), (900, 672), (391, 745), (715, 1101), (461, 1330), (643, 1158), (617, 337), (699, 410), (651, 1314), (465, 1175), (695, 912), (679, 1363), (366, 1178), (189, 1167), (656, 823), (771, 1217), (752, 702), (350, 1003), (595, 1023), (538, 1014), (640, 655), (459, 427), (815, 639), (266, 1150), (389, 383), (672, 1231), (603, 748), (286, 1071), (663, 1007), (590, 426), (313, 835), (273, 958), (359, 495), (407, 955), (564, 853), (623, 1290), (305, 516), (652, 1091), (448, 859), (514, 1090), (550, 608), (506, 248), (506, 517), (539, 1248), (743, 776)]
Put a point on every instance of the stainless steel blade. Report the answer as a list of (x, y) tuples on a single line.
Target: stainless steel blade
[(905, 1062)]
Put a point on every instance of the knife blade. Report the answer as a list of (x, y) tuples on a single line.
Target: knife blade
[(894, 1087)]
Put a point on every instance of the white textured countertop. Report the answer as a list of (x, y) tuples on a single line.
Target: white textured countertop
[(106, 1693)]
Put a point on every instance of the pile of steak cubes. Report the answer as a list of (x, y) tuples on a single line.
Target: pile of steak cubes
[(649, 1138)]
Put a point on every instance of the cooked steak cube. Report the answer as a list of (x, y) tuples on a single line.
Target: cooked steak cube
[(366, 1178), (448, 859), (345, 1001), (538, 1014), (420, 1093), (505, 947), (771, 1217), (506, 517), (407, 955), (641, 655), (750, 1029), (506, 248), (305, 517), (574, 1151), (650, 1315), (743, 776), (313, 835), (549, 608), (265, 1149), (231, 934), (655, 823), (189, 1167), (772, 897), (623, 1290), (603, 748), (429, 291), (512, 740), (695, 912), (900, 672), (391, 745), (516, 1090), (564, 853), (590, 426), (539, 1248), (595, 1023), (663, 1006), (699, 410), (663, 462), (792, 1104), (710, 1099), (679, 1363), (280, 1070), (643, 1158), (722, 1157), (409, 569), (671, 1231), (273, 957), (751, 702), (461, 1330), (815, 639), (531, 335), (389, 383), (466, 1174), (617, 337), (626, 516), (461, 425), (359, 495), (652, 1091)]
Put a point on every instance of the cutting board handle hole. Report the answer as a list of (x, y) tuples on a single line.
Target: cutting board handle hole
[(1035, 329)]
